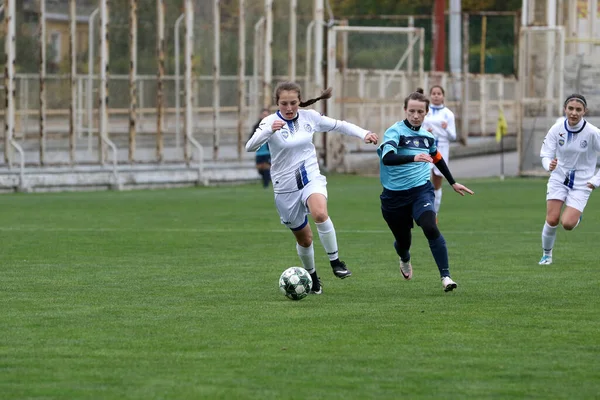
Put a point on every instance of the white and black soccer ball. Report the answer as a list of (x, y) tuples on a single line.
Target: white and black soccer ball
[(295, 283)]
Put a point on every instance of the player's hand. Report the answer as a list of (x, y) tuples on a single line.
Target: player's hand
[(444, 124), (277, 125), (589, 185), (423, 157), (430, 129), (461, 189), (371, 138), (553, 164)]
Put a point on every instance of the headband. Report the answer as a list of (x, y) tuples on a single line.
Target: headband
[(576, 98)]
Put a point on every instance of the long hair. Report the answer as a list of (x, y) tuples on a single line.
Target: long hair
[(294, 87), (417, 95)]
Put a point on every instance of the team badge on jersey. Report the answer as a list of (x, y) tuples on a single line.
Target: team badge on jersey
[(426, 143), (561, 142), (308, 128), (583, 144), (285, 133), (416, 142)]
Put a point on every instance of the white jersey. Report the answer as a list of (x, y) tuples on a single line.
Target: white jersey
[(293, 157), (575, 149), (433, 120)]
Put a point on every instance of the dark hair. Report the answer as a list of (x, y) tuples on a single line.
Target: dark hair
[(577, 97), (418, 96), (439, 87), (294, 87)]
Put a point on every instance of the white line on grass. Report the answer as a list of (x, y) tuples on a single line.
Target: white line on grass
[(238, 230)]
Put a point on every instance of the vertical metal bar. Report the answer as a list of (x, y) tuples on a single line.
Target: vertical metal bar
[(133, 43), (256, 63), (216, 77), (319, 16), (241, 76), (422, 58), (160, 49), (482, 103), (268, 56), (9, 78), (177, 84), (482, 45), (90, 81), (411, 60), (73, 77), (103, 89), (42, 43), (188, 92), (309, 30), (292, 40), (464, 107)]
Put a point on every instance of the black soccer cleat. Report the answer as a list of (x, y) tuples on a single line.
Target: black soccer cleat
[(317, 288), (339, 269)]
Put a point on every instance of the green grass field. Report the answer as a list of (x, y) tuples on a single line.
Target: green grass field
[(172, 294)]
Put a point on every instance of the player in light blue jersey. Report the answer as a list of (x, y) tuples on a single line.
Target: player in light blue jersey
[(405, 154), (263, 155)]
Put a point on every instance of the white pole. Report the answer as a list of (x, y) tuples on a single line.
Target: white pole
[(552, 49), (455, 50), (73, 77), (318, 65), (292, 41), (90, 81), (42, 80), (309, 30), (177, 84), (133, 44), (256, 64), (9, 78), (268, 69), (241, 76), (103, 95), (216, 78)]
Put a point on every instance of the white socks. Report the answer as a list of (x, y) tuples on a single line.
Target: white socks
[(307, 256), (548, 238), (438, 200), (328, 238)]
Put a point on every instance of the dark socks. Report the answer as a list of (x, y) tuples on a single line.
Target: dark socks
[(266, 177), (404, 254), (440, 255)]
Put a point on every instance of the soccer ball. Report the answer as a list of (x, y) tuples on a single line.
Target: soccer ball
[(295, 283)]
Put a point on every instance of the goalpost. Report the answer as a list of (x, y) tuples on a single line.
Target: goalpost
[(540, 91), (370, 93)]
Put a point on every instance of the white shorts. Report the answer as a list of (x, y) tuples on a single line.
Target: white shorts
[(444, 149), (575, 198), (292, 207)]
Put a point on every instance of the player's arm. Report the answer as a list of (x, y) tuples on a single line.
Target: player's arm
[(439, 162), (327, 124), (548, 151), (595, 180), (451, 128), (261, 135)]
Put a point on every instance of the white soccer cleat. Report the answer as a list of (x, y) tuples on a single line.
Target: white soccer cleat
[(448, 284), (546, 260), (406, 269)]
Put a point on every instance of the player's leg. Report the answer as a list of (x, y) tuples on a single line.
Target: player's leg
[(575, 204), (293, 214), (400, 222), (424, 214), (556, 194), (317, 204)]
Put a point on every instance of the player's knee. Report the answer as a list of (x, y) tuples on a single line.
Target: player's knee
[(568, 225), (319, 215), (428, 225), (305, 241)]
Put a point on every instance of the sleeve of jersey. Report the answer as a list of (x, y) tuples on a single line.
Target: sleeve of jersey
[(443, 167), (327, 124), (549, 145), (451, 128), (389, 143), (261, 135), (595, 180)]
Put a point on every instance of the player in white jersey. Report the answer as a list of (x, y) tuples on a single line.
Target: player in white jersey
[(569, 152), (441, 123), (299, 187)]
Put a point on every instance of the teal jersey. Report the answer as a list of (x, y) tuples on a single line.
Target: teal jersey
[(403, 139), (263, 150)]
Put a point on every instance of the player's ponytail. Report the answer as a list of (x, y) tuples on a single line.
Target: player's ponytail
[(419, 96), (326, 94), (294, 87)]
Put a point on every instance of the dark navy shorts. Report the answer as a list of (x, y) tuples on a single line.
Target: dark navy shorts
[(263, 159), (414, 201)]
